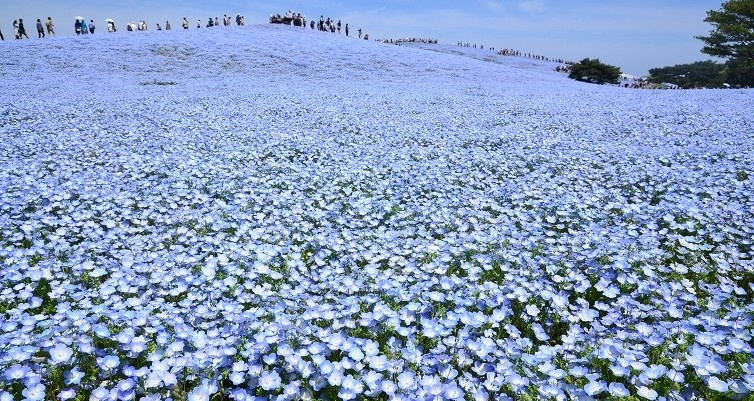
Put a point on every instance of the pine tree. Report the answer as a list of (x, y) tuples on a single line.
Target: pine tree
[(733, 37)]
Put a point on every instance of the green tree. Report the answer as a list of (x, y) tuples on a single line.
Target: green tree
[(733, 38), (592, 70), (699, 74)]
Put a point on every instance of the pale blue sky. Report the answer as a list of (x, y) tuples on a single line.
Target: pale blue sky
[(634, 35)]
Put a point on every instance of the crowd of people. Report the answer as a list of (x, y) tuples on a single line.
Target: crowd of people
[(408, 40), (324, 25), (19, 29), (82, 27)]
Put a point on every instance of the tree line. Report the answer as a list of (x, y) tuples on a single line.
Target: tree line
[(731, 39)]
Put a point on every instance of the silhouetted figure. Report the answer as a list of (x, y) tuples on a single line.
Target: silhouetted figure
[(21, 29)]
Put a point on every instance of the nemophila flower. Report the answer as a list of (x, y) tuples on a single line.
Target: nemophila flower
[(595, 387), (60, 354), (372, 379), (451, 391), (646, 393), (619, 370), (66, 394), (618, 390), (153, 380), (326, 367), (716, 384), (109, 362), (270, 359), (16, 372), (378, 362), (169, 379), (336, 377), (35, 392), (73, 376), (371, 348), (406, 380), (269, 380), (388, 387), (100, 393), (350, 383), (199, 393), (237, 378), (532, 310)]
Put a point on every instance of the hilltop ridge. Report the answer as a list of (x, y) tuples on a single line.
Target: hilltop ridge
[(271, 53)]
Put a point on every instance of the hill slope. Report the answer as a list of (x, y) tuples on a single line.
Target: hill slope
[(271, 213)]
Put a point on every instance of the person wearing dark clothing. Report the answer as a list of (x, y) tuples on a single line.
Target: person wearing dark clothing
[(21, 29), (338, 26), (1, 35), (91, 26), (40, 29), (312, 24), (347, 29), (77, 26)]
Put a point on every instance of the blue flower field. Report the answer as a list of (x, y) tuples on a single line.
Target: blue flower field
[(269, 213)]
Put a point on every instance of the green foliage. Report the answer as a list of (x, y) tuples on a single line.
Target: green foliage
[(738, 74), (733, 38), (695, 75), (594, 71)]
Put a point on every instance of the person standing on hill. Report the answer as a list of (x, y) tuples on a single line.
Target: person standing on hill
[(347, 30), (91, 26), (359, 31), (167, 25), (50, 26), (40, 29), (1, 35), (21, 29), (185, 23), (84, 28)]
